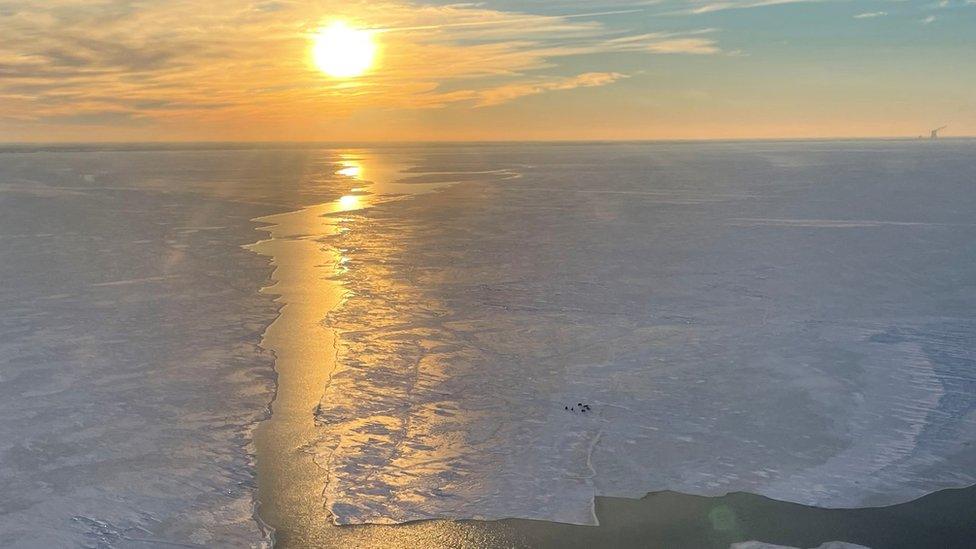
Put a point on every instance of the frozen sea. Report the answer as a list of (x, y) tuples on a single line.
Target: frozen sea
[(183, 326)]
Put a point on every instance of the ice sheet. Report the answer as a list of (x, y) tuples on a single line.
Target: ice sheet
[(130, 371), (790, 319)]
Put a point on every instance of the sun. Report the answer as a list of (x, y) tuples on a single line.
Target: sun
[(343, 52)]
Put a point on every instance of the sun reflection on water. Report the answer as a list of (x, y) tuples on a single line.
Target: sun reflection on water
[(308, 284), (350, 169), (349, 202)]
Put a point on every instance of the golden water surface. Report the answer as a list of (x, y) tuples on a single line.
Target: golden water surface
[(307, 284)]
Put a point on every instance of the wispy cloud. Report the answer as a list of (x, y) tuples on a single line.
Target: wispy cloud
[(870, 14), (705, 6), (527, 18), (503, 94), (88, 60), (690, 45)]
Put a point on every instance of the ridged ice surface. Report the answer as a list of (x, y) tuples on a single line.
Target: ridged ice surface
[(790, 319), (130, 319)]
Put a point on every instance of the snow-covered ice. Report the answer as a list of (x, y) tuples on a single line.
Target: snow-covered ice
[(789, 319), (130, 368)]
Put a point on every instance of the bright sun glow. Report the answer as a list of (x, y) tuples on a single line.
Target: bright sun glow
[(343, 52), (349, 202), (351, 170)]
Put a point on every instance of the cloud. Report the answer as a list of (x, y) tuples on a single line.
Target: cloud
[(927, 20), (503, 94), (114, 118), (697, 46), (708, 6), (248, 60), (705, 6)]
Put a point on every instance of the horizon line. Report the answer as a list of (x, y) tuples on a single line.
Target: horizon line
[(246, 142)]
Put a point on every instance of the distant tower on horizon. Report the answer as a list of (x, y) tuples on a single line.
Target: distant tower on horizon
[(935, 132)]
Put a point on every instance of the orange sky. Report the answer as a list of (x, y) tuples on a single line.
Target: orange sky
[(117, 70)]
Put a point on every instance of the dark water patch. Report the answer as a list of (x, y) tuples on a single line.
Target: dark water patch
[(944, 520)]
